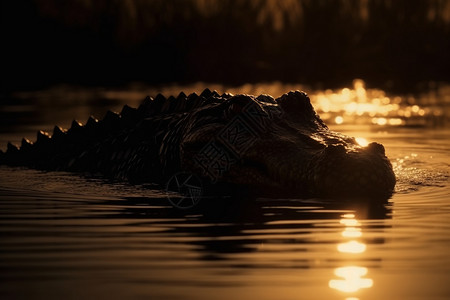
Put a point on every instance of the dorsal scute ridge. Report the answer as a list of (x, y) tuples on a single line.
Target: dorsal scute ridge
[(11, 148), (76, 125), (127, 110), (42, 138), (214, 94), (206, 93), (177, 104), (181, 96), (145, 107), (58, 133), (25, 144), (192, 95), (111, 122), (111, 116), (75, 130), (169, 105), (159, 97), (91, 123), (128, 117), (226, 95)]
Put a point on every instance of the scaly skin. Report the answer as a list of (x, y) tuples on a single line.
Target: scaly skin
[(265, 146)]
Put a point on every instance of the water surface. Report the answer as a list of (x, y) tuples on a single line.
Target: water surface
[(64, 236)]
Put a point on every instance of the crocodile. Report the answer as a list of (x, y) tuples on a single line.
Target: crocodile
[(259, 144)]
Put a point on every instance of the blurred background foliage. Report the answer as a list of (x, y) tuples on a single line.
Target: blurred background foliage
[(393, 44)]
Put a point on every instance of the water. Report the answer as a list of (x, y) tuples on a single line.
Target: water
[(64, 236)]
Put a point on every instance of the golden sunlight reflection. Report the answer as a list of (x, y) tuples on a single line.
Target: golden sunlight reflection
[(349, 222), (352, 232), (348, 216), (339, 120), (359, 105), (362, 141), (352, 247), (350, 278)]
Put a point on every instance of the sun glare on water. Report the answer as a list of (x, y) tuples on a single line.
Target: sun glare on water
[(362, 141), (350, 278), (358, 105)]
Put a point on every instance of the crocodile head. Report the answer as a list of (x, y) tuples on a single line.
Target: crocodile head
[(281, 146)]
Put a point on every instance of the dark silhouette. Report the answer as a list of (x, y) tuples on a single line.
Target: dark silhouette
[(392, 44), (260, 145)]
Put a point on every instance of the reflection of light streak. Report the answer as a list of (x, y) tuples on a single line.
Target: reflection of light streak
[(362, 141), (352, 232), (372, 104), (352, 247), (352, 281), (351, 277), (339, 120), (349, 222)]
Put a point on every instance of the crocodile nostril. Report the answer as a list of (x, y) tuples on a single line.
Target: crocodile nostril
[(376, 148)]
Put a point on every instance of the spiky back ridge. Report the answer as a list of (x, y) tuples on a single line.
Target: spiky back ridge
[(113, 145)]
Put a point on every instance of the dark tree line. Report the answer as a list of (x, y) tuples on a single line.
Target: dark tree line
[(398, 43)]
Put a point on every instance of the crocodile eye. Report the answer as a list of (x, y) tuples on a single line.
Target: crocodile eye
[(296, 103), (238, 105)]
